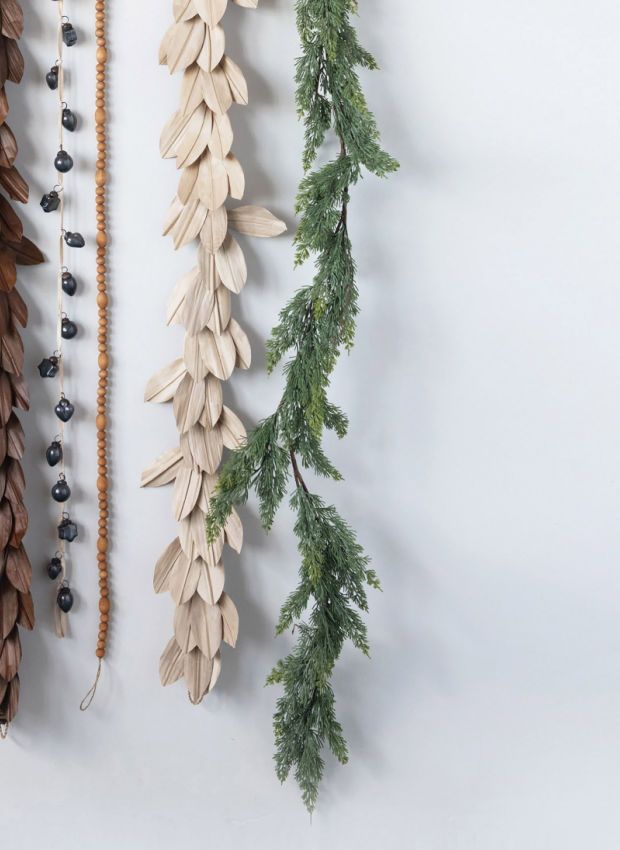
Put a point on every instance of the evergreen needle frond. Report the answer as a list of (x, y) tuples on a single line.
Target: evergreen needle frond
[(316, 325)]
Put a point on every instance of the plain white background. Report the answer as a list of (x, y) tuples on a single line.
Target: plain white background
[(481, 466)]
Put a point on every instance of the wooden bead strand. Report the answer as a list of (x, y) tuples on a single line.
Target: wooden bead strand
[(102, 340)]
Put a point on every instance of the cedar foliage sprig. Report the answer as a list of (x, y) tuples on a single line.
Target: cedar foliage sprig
[(316, 325)]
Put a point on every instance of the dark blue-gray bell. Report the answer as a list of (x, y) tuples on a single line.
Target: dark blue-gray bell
[(51, 78), (69, 35), (74, 240), (67, 530), (65, 599), (48, 367), (69, 284), (63, 162), (61, 491), (54, 568), (68, 328), (64, 410), (69, 119), (50, 201), (53, 453)]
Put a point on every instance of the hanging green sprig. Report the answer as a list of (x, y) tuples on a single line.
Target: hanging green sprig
[(316, 325)]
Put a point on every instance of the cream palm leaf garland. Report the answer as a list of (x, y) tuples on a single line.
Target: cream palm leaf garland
[(199, 135)]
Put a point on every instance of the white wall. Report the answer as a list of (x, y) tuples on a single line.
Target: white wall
[(481, 468)]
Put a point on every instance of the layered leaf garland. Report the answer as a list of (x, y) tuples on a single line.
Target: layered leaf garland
[(199, 135), (316, 325), (16, 608)]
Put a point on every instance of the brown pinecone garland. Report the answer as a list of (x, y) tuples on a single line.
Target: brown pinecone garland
[(16, 608)]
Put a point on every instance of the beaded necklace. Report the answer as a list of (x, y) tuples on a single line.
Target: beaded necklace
[(102, 341)]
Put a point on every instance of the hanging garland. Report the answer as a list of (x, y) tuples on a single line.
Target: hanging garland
[(316, 325), (53, 367), (16, 608), (103, 360), (199, 135)]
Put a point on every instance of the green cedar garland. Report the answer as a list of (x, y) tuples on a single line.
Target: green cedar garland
[(316, 325)]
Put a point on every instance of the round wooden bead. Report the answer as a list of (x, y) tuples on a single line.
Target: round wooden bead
[(104, 605)]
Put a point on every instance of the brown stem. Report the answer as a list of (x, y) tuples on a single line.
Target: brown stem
[(297, 474)]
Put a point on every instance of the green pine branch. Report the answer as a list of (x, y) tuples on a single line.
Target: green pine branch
[(313, 329)]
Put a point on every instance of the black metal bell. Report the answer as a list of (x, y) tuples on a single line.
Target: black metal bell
[(53, 453), (54, 568), (63, 161), (67, 530), (68, 328), (61, 491), (69, 119), (51, 78), (48, 367), (69, 284), (64, 410), (74, 240), (50, 202), (69, 35), (64, 599)]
